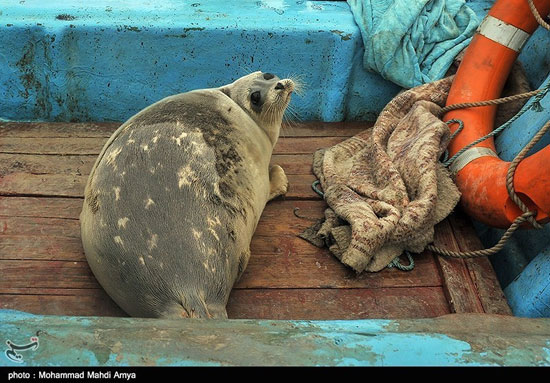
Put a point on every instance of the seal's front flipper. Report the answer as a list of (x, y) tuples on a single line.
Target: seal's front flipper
[(278, 183)]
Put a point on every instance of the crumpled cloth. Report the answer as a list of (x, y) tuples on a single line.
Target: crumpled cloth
[(385, 187), (413, 42)]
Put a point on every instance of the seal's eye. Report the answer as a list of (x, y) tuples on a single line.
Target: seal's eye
[(255, 97), (268, 76)]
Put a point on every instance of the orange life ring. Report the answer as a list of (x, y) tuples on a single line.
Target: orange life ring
[(481, 76)]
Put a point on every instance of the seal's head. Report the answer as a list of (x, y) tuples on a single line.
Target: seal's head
[(265, 97)]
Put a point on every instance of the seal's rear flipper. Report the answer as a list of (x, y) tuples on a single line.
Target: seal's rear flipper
[(178, 311)]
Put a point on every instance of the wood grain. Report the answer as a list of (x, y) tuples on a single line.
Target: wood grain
[(105, 129), (53, 164), (307, 304), (482, 273), (329, 304), (99, 304), (93, 145), (82, 165), (68, 185), (44, 168), (265, 271), (459, 287)]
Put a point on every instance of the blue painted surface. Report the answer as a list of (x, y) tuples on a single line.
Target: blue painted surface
[(513, 139), (454, 340), (106, 60), (529, 292), (535, 57)]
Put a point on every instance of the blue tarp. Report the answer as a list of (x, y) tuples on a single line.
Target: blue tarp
[(412, 42)]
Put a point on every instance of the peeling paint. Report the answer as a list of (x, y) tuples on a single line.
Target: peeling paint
[(343, 36), (65, 17), (34, 79), (128, 28), (94, 79), (84, 76)]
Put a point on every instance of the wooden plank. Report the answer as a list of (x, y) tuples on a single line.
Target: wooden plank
[(458, 285), (82, 165), (52, 291), (324, 129), (323, 270), (305, 145), (482, 273), (57, 129), (93, 145), (47, 229), (284, 216), (284, 245), (31, 226), (63, 146), (23, 217), (40, 207), (30, 275), (263, 271), (40, 231), (318, 304), (47, 185), (275, 262), (56, 247), (294, 164), (34, 247), (266, 271), (309, 304), (97, 304), (68, 185), (105, 129), (70, 208), (279, 216), (41, 164), (62, 248)]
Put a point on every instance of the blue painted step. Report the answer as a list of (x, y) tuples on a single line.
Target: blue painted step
[(452, 340), (105, 60)]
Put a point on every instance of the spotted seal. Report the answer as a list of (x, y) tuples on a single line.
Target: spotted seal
[(176, 193)]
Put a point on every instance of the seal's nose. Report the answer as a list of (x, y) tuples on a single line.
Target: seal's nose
[(279, 86)]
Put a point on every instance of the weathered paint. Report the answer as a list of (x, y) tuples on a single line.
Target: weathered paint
[(105, 60), (452, 340), (529, 292), (513, 139)]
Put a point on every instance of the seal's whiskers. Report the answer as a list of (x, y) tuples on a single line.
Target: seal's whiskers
[(299, 83), (291, 119)]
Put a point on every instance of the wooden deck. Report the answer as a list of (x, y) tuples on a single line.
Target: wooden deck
[(43, 170)]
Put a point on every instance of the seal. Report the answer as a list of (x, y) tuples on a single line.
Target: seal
[(176, 193)]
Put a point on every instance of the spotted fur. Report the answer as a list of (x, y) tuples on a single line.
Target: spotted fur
[(175, 196)]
